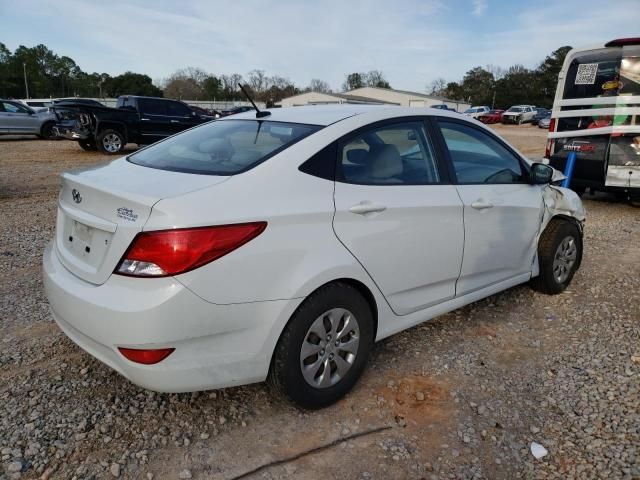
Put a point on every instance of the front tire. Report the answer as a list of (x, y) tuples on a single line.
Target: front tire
[(559, 256), (324, 348), (110, 141)]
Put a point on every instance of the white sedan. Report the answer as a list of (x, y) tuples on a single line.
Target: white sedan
[(283, 246)]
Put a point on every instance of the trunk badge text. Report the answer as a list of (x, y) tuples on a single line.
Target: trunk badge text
[(126, 214), (76, 196)]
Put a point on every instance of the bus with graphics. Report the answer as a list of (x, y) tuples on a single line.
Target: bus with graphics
[(596, 114)]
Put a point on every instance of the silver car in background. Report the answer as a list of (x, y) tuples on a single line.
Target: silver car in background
[(545, 122), (19, 119)]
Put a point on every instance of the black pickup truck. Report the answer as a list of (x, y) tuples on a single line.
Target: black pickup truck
[(141, 120)]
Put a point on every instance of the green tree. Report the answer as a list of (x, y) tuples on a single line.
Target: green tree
[(130, 83), (212, 88), (477, 86), (547, 74), (353, 81)]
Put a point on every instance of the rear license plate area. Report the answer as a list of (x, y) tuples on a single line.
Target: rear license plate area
[(80, 238)]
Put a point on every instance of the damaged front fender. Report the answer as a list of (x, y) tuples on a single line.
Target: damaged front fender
[(559, 202)]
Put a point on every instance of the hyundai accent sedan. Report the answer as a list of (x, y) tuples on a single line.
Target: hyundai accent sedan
[(282, 246)]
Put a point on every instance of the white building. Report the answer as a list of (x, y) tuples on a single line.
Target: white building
[(317, 98), (373, 95)]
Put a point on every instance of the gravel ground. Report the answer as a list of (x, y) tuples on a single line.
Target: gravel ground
[(463, 396)]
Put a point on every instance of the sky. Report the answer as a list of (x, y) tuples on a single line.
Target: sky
[(412, 42)]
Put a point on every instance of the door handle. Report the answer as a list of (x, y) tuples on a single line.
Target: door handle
[(144, 119), (364, 208), (175, 121), (481, 204)]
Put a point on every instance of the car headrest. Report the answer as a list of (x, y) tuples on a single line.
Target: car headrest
[(385, 162)]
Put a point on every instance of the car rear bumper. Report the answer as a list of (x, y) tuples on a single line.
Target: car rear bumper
[(215, 345)]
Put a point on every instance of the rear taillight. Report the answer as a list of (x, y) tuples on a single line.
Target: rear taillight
[(552, 125), (171, 252), (146, 356)]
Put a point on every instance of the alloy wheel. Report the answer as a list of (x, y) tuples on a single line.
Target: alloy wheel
[(329, 348), (564, 259), (112, 143)]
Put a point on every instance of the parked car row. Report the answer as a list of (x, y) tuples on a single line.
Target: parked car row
[(518, 114)]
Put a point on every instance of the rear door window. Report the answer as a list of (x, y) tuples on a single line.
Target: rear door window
[(395, 154), (225, 147), (150, 106), (177, 109)]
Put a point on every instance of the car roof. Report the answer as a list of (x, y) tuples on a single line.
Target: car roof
[(327, 114)]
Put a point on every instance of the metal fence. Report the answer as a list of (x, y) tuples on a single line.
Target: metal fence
[(208, 104)]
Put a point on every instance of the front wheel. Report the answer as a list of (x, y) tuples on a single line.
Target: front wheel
[(324, 348), (110, 141), (559, 256)]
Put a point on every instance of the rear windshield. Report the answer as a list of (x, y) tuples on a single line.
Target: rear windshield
[(604, 73), (516, 109), (225, 147)]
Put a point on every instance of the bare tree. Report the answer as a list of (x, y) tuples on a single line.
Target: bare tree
[(437, 86), (257, 81), (320, 86), (185, 84), (375, 78), (497, 71)]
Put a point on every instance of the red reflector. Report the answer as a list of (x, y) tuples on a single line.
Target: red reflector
[(171, 252), (621, 42), (146, 357)]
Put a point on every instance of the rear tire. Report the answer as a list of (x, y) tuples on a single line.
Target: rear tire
[(559, 256), (110, 141), (88, 145), (316, 370)]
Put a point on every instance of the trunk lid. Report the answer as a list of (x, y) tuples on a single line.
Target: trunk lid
[(101, 209)]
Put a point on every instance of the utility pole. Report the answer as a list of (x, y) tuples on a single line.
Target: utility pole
[(494, 99), (26, 85)]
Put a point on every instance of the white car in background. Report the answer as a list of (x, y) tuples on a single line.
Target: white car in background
[(284, 245), (519, 114), (475, 112)]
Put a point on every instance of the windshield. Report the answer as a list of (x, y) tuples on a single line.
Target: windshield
[(516, 109), (471, 110), (223, 147)]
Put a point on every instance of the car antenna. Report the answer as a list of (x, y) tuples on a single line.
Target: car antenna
[(259, 114)]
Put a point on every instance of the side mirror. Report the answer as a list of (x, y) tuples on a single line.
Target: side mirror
[(540, 174)]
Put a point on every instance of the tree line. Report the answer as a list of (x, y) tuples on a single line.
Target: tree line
[(502, 88), (50, 75)]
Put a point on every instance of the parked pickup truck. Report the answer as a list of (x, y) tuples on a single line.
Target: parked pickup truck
[(141, 120)]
